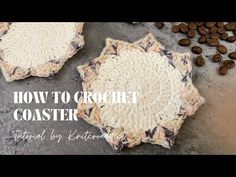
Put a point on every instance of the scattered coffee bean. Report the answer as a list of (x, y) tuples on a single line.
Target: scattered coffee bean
[(232, 55), (202, 31), (183, 28), (199, 23), (231, 39), (210, 24), (230, 26), (191, 33), (217, 57), (175, 28), (223, 70), (221, 30), (200, 61), (220, 24), (160, 25), (192, 26), (229, 64), (196, 50), (214, 36), (222, 49), (224, 36), (210, 33), (213, 29), (202, 40), (213, 42), (184, 42)]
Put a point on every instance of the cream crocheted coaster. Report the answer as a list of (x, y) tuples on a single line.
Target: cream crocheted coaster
[(163, 79), (37, 49)]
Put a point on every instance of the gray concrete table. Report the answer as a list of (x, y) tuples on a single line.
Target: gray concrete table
[(212, 130)]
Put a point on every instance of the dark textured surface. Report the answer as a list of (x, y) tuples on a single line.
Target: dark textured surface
[(210, 131)]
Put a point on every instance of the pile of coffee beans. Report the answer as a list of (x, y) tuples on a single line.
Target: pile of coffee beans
[(211, 34)]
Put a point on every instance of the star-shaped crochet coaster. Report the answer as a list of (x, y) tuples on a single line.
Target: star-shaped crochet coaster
[(37, 49), (166, 92)]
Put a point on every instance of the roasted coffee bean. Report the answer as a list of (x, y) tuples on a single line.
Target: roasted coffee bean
[(229, 64), (230, 26), (202, 40), (175, 28), (192, 26), (183, 28), (220, 24), (223, 70), (214, 36), (221, 30), (231, 39), (213, 29), (213, 42), (159, 25), (210, 24), (196, 50), (217, 57), (191, 33), (199, 23), (184, 42), (200, 61), (232, 55), (202, 31), (224, 36), (222, 49)]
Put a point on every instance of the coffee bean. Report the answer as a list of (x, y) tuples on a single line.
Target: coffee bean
[(159, 25), (213, 42), (231, 39), (221, 30), (199, 23), (196, 50), (192, 26), (220, 24), (183, 28), (175, 28), (224, 36), (229, 64), (184, 42), (232, 55), (214, 36), (223, 70), (200, 61), (222, 49), (202, 40), (202, 31), (191, 33), (230, 26), (210, 33), (210, 24), (217, 57), (213, 29)]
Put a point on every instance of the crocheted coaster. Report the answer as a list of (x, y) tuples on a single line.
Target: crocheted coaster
[(37, 49), (163, 79)]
